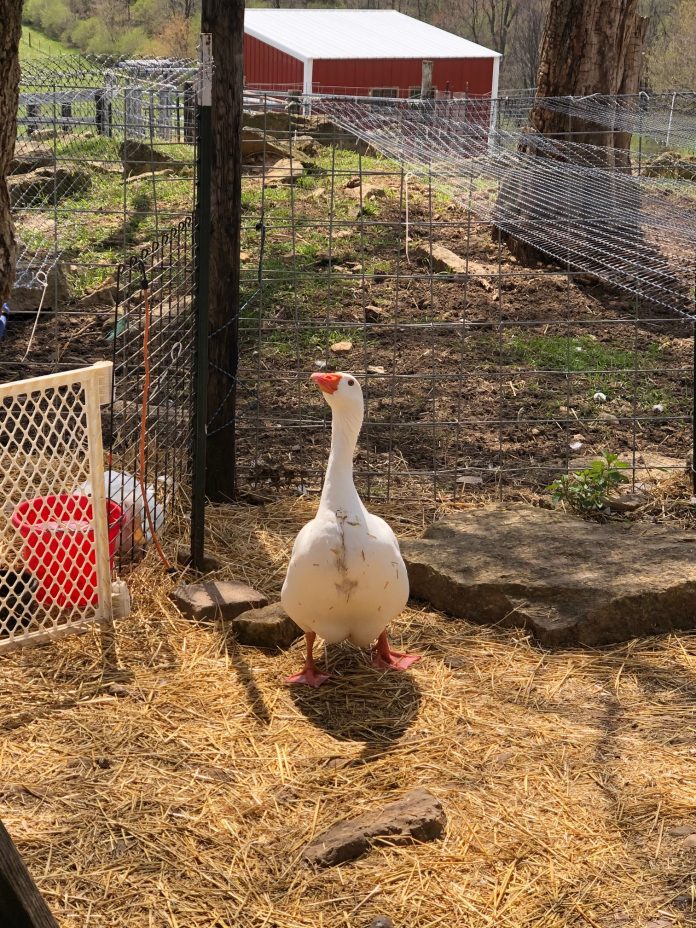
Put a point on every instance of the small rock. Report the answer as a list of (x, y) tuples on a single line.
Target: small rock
[(609, 418), (29, 160), (139, 158), (44, 184), (627, 502), (689, 842), (26, 299), (658, 408), (342, 347), (536, 431), (575, 445), (320, 364), (681, 830), (374, 314), (216, 599), (417, 816), (374, 369), (268, 627), (600, 397), (382, 921)]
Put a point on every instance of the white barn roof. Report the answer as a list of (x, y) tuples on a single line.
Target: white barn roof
[(345, 34)]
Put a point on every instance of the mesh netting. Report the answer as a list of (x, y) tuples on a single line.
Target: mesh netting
[(582, 204)]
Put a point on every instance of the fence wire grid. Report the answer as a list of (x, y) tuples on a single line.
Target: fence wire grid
[(103, 190), (385, 254)]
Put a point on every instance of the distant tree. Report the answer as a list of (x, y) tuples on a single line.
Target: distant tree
[(527, 43), (11, 19), (489, 22), (589, 46), (672, 58)]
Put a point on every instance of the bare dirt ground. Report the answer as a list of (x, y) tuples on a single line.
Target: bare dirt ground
[(494, 375)]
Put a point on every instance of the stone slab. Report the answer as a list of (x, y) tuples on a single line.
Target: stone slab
[(269, 627), (566, 580), (216, 599), (417, 816)]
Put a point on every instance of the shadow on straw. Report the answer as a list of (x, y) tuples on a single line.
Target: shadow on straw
[(360, 703), (246, 677)]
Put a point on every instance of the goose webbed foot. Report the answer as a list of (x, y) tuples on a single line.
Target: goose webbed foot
[(385, 659), (310, 675)]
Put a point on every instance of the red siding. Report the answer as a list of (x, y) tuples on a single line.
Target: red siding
[(266, 67), (465, 75)]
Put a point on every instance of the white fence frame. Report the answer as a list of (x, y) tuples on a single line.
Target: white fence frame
[(95, 384)]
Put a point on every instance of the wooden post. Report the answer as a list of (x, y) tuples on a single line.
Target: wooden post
[(100, 111), (225, 20), (21, 904), (427, 80)]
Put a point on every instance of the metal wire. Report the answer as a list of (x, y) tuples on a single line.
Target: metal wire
[(481, 375)]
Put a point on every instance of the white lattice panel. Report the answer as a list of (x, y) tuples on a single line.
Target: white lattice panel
[(56, 545)]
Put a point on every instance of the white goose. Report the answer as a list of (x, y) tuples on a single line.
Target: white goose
[(346, 578)]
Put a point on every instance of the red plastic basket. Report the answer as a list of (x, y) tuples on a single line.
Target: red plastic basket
[(59, 547)]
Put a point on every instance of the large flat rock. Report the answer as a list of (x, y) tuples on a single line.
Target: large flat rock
[(417, 816), (568, 581)]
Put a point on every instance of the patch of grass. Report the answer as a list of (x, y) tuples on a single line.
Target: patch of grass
[(576, 355), (35, 44)]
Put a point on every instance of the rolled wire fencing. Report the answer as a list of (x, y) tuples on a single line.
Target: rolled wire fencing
[(375, 240)]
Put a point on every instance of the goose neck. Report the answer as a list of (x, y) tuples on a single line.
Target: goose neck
[(339, 488)]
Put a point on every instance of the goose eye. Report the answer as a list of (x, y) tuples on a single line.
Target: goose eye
[(350, 383)]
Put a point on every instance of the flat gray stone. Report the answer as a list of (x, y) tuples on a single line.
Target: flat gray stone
[(31, 158), (417, 816), (566, 580), (28, 299), (216, 599), (268, 627)]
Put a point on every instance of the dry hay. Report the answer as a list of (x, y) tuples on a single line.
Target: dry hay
[(183, 795)]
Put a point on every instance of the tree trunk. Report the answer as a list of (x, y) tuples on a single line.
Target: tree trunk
[(224, 19), (21, 904), (589, 47), (11, 19)]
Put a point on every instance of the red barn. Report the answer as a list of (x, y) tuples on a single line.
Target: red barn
[(360, 52)]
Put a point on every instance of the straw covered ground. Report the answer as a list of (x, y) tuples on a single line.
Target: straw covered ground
[(182, 794)]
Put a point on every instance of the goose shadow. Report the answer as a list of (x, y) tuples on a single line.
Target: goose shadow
[(360, 704)]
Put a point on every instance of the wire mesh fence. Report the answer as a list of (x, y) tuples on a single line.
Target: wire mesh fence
[(151, 413), (104, 161), (374, 240), (57, 533), (103, 189)]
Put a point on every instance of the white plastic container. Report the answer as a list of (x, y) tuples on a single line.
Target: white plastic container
[(124, 490)]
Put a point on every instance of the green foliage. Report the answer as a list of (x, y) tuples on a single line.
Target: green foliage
[(587, 491), (124, 27)]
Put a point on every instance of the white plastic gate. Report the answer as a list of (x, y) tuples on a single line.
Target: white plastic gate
[(56, 544)]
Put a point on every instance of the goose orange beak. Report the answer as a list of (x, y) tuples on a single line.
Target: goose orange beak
[(327, 382)]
